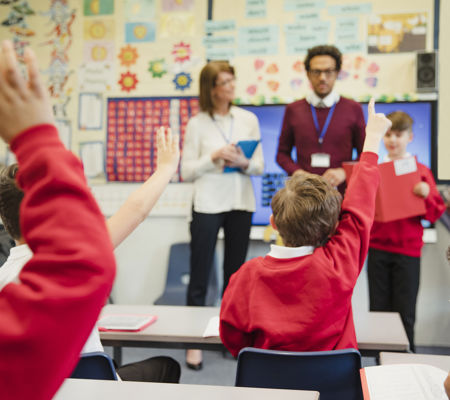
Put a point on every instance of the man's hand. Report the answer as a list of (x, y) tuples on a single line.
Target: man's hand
[(168, 150), (377, 126), (334, 176), (421, 189), (22, 104)]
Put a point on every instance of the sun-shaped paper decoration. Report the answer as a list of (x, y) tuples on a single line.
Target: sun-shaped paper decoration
[(99, 53), (128, 55), (182, 52), (140, 31), (182, 81), (128, 81), (97, 30), (158, 68)]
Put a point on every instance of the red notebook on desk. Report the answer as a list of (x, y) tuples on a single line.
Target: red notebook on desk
[(395, 197), (125, 322)]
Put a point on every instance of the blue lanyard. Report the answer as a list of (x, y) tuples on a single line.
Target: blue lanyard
[(230, 133), (325, 125)]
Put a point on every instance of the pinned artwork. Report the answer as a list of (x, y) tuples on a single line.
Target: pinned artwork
[(273, 85), (176, 25), (371, 81), (135, 9), (139, 32), (128, 81), (177, 5), (296, 83), (298, 66), (99, 29), (98, 51), (96, 77), (98, 7), (182, 81), (251, 90), (258, 63), (128, 55), (272, 69), (157, 68), (182, 52)]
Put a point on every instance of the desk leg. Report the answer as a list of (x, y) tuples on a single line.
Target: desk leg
[(117, 355)]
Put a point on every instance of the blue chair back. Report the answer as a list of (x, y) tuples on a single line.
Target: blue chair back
[(96, 365), (334, 374)]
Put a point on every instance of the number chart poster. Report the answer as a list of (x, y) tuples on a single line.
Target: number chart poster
[(131, 151)]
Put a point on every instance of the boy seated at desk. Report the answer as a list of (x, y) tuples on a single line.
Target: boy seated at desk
[(120, 225), (298, 297)]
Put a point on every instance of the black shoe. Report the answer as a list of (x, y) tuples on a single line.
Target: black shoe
[(195, 367)]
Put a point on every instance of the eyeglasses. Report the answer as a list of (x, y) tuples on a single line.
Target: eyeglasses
[(226, 82), (317, 72)]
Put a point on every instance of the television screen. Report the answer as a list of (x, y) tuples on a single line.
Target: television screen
[(270, 120)]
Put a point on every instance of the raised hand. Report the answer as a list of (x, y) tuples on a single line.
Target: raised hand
[(377, 126), (168, 150), (22, 103)]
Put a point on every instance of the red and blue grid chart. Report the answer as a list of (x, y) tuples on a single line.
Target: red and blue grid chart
[(131, 152)]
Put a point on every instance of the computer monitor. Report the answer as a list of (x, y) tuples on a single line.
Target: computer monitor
[(270, 120)]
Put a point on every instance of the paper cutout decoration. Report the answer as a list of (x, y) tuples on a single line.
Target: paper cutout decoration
[(273, 85), (128, 81), (128, 55), (343, 75), (272, 69), (99, 29), (251, 90), (298, 66), (98, 7), (98, 51), (258, 64), (296, 83), (135, 9), (177, 5), (371, 81), (139, 32), (182, 52), (157, 68), (373, 68), (182, 81)]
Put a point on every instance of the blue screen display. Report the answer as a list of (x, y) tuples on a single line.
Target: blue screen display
[(270, 120)]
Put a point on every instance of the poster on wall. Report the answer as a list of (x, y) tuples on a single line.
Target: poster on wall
[(397, 33), (131, 152)]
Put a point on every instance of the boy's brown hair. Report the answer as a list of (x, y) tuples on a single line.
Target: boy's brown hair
[(306, 210), (10, 198), (401, 121), (208, 81)]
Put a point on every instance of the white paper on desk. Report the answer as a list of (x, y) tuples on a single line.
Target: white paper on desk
[(212, 329), (405, 382)]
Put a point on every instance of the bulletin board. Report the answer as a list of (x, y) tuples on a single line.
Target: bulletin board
[(94, 54)]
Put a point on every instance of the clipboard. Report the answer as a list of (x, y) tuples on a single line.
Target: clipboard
[(125, 322), (248, 147)]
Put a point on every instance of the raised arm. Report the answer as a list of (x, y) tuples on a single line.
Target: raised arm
[(141, 201), (47, 317)]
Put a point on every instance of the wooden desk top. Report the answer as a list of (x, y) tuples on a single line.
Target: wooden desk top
[(179, 324), (442, 362), (89, 389)]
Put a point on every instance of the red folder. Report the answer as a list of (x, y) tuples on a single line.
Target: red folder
[(395, 198)]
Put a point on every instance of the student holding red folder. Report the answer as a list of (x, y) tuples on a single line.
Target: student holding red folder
[(395, 246)]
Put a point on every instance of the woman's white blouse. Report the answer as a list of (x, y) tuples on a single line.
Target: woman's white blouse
[(215, 191)]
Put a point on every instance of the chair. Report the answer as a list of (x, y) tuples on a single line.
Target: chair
[(95, 365), (177, 279), (334, 374)]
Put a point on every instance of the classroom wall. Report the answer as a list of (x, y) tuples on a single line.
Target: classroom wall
[(66, 43)]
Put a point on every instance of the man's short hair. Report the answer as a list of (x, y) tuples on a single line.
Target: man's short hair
[(10, 198), (401, 121), (324, 50), (306, 210)]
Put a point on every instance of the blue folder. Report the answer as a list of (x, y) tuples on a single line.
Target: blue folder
[(248, 147)]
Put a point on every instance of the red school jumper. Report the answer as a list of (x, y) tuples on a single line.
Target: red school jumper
[(304, 303), (47, 317)]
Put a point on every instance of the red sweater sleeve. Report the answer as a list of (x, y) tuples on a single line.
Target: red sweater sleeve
[(285, 144), (434, 203), (47, 317)]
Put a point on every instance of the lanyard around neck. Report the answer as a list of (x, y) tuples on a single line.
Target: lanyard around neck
[(325, 125), (230, 133)]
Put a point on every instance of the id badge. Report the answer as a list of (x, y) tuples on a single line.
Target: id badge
[(321, 160)]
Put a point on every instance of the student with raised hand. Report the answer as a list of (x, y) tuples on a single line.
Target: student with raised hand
[(298, 297), (48, 314), (120, 225)]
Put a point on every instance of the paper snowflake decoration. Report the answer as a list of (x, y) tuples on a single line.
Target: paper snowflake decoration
[(128, 55), (182, 52), (157, 68), (182, 81), (128, 81)]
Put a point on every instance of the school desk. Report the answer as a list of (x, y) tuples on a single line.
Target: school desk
[(183, 327), (442, 362), (90, 389)]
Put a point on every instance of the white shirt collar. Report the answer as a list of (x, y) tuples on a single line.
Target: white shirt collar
[(386, 158), (328, 100), (290, 252)]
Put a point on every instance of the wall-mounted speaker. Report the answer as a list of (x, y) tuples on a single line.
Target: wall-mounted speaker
[(427, 71)]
